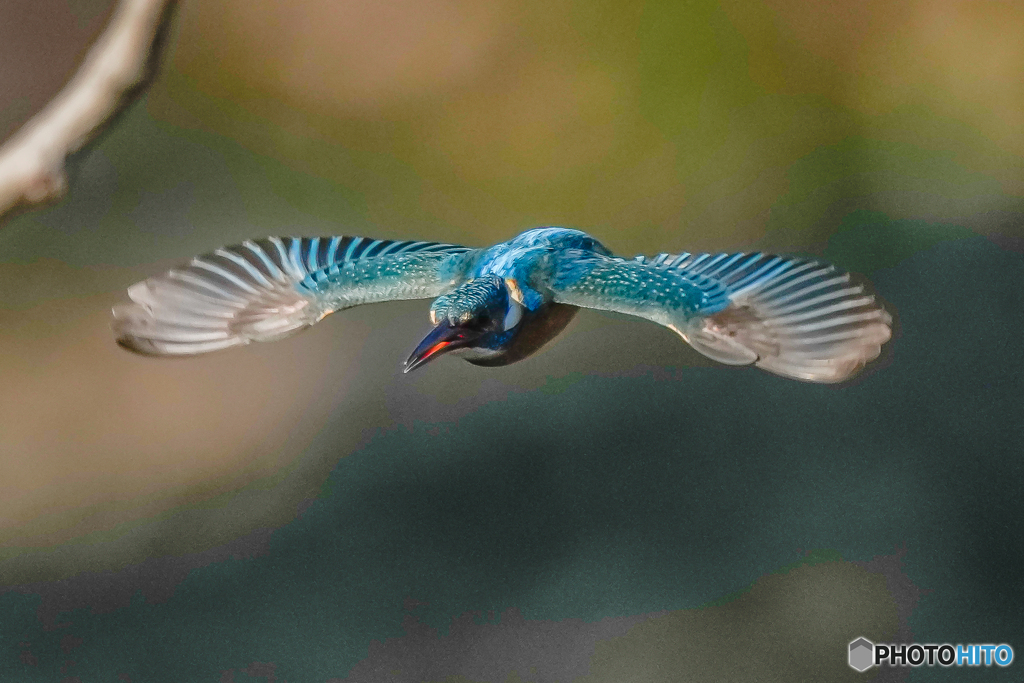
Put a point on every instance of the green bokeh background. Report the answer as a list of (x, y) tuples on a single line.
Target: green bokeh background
[(156, 506)]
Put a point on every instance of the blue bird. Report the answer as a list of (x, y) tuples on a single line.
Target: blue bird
[(794, 317)]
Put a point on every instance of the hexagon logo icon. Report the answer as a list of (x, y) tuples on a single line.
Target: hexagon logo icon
[(862, 653)]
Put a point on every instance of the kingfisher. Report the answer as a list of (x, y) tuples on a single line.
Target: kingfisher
[(795, 317)]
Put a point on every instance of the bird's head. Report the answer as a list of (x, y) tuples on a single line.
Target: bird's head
[(481, 315)]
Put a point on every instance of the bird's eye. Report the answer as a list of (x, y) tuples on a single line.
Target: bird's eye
[(473, 320)]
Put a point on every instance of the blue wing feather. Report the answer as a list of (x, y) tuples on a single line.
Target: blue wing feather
[(795, 317), (271, 288)]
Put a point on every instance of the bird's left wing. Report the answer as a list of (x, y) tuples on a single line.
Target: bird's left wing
[(795, 317), (640, 287), (271, 288)]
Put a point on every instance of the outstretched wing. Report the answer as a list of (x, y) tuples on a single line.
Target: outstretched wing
[(272, 288), (795, 317)]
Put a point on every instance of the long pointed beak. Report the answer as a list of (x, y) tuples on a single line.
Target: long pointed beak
[(442, 339)]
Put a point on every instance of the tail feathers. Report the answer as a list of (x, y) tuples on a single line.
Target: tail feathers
[(793, 317), (228, 298)]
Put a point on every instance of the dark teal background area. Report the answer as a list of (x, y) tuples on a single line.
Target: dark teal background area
[(616, 474), (621, 487)]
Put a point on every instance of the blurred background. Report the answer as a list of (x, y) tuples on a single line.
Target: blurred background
[(290, 505)]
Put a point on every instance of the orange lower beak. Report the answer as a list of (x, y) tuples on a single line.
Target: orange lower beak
[(442, 339)]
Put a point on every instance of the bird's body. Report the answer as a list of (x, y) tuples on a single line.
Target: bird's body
[(794, 317), (523, 264)]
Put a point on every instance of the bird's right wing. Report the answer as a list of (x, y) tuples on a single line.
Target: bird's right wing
[(271, 288), (794, 317)]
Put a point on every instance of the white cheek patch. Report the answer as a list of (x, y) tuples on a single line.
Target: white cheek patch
[(514, 315), (515, 309)]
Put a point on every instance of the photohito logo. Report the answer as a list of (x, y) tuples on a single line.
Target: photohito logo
[(863, 654)]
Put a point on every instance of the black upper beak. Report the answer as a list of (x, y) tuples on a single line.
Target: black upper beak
[(442, 339)]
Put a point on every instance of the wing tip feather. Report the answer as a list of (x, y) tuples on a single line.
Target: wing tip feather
[(805, 322)]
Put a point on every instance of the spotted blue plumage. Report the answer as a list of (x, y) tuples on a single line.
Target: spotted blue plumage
[(270, 288), (795, 317)]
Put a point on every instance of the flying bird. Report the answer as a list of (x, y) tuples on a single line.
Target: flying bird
[(795, 317)]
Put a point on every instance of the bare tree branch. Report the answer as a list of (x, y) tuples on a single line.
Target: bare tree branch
[(115, 71)]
